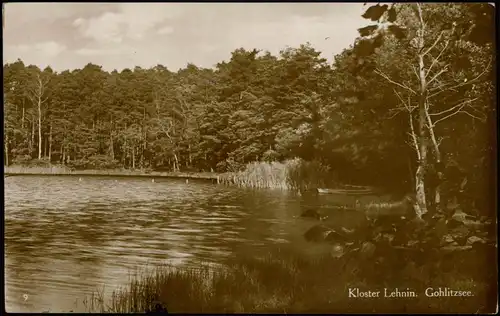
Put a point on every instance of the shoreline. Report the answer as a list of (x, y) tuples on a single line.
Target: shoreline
[(58, 171), (216, 177), (227, 178)]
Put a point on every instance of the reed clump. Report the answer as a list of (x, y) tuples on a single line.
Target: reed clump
[(272, 175), (294, 174)]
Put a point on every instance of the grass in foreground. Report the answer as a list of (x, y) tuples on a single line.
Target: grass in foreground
[(283, 283)]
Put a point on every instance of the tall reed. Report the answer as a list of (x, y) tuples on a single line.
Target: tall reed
[(292, 174), (259, 175)]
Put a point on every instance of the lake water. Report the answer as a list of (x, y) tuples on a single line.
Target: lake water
[(65, 237)]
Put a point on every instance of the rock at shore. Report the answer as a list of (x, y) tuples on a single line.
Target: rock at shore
[(317, 233), (367, 250), (321, 233), (311, 213)]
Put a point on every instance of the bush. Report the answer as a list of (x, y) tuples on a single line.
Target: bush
[(99, 162), (305, 175)]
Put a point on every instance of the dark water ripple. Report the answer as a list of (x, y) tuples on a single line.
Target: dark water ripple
[(64, 237)]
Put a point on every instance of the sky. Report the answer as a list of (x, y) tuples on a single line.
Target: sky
[(125, 35)]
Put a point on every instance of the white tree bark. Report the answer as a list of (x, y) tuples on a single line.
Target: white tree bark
[(425, 134), (36, 95)]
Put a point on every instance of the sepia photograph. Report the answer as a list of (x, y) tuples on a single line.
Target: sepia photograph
[(281, 158)]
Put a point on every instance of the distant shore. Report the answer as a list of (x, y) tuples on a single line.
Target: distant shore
[(62, 171), (229, 178)]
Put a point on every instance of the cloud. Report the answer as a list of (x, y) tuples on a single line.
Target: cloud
[(105, 28), (47, 49), (51, 49), (43, 12), (122, 35), (141, 20), (293, 30), (131, 22), (165, 30), (99, 51), (20, 48), (78, 22)]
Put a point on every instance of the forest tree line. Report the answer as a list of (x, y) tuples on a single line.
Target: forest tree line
[(417, 86)]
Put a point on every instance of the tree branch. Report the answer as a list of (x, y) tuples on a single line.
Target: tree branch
[(445, 69), (464, 83), (434, 44), (162, 128), (415, 72), (397, 110), (409, 109), (407, 105), (436, 60), (461, 105), (378, 72), (482, 119), (401, 99), (459, 110), (419, 7), (441, 87)]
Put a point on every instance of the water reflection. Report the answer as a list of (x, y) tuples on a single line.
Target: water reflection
[(65, 237)]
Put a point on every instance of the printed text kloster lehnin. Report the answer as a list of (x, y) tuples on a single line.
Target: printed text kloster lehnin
[(407, 292)]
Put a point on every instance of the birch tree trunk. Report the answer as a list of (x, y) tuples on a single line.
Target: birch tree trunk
[(111, 146), (437, 154), (63, 154), (22, 117), (6, 145), (422, 141), (36, 94), (50, 142), (39, 101), (111, 141), (421, 137), (176, 162), (32, 142), (190, 157), (133, 156)]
